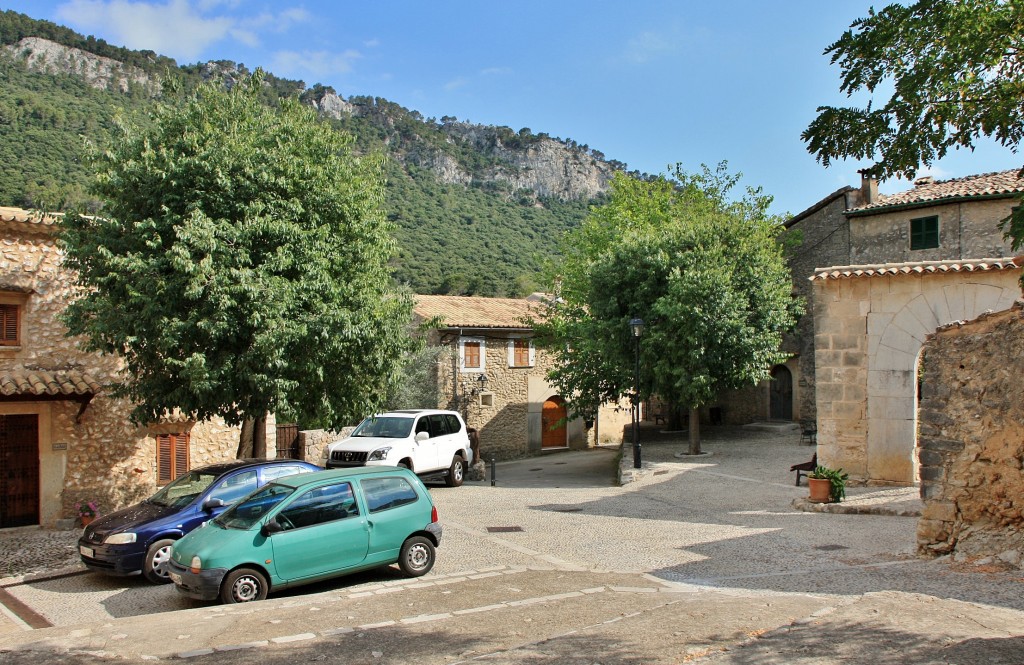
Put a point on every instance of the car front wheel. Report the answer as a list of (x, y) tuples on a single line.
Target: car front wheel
[(242, 586), (155, 565), (417, 556)]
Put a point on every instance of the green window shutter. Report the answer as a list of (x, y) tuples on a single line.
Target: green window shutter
[(924, 232)]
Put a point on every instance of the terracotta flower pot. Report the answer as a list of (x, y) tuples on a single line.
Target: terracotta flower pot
[(821, 490), (86, 521)]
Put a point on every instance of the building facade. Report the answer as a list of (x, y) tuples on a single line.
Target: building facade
[(494, 374), (63, 440)]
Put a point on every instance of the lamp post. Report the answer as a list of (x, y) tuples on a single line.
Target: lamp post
[(637, 326)]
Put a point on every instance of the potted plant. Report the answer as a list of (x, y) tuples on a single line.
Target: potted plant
[(827, 485), (87, 512)]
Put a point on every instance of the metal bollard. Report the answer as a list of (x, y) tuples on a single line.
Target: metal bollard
[(494, 471)]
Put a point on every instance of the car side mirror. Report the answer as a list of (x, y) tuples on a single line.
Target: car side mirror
[(271, 527), (421, 437), (212, 504)]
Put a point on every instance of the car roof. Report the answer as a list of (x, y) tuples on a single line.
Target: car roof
[(219, 468), (302, 479), (411, 412)]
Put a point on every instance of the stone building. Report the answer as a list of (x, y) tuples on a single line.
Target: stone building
[(917, 260), (63, 440), (496, 377), (947, 220), (972, 439)]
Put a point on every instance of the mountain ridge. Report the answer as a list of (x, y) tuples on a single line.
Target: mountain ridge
[(508, 194)]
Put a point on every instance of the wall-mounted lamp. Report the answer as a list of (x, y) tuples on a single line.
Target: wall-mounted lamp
[(481, 384)]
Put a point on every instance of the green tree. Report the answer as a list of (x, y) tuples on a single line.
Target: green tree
[(704, 272), (956, 70), (239, 265)]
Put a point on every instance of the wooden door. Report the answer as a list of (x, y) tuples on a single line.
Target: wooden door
[(553, 423), (19, 470), (781, 394)]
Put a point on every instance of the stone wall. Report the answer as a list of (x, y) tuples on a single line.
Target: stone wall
[(968, 229), (824, 241), (313, 442), (97, 455), (972, 439)]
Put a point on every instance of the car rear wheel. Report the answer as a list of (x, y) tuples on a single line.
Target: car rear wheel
[(154, 567), (242, 586), (417, 556), (456, 473)]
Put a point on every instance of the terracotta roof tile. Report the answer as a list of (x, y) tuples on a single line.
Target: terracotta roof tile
[(476, 312), (38, 382), (30, 218), (920, 268), (928, 191)]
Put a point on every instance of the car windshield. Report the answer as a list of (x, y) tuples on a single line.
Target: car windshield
[(251, 509), (385, 427), (183, 489)]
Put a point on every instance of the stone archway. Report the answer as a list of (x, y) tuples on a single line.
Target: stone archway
[(869, 329)]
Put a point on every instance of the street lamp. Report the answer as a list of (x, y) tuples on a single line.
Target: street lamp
[(637, 326)]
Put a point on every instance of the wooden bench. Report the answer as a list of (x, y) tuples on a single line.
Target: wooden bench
[(804, 468)]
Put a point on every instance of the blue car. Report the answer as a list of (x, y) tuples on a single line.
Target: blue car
[(139, 538)]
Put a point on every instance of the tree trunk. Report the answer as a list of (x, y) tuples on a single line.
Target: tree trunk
[(245, 440), (259, 437), (694, 431)]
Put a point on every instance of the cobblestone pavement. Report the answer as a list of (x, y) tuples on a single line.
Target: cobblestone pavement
[(719, 528)]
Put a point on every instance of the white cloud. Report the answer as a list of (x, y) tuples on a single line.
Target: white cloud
[(371, 43), (312, 65), (455, 84), (649, 46), (173, 28), (182, 29)]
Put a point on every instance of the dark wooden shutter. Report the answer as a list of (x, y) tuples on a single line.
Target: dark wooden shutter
[(9, 325), (172, 457)]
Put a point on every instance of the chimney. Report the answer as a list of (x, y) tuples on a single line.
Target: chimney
[(868, 187)]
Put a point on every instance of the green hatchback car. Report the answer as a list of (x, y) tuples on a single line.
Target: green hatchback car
[(309, 527)]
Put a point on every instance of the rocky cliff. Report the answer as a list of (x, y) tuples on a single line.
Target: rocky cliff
[(47, 57)]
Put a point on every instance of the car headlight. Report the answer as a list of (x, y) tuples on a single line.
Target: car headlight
[(379, 454), (197, 565), (120, 539)]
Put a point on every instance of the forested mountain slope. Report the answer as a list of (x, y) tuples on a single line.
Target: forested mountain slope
[(478, 209)]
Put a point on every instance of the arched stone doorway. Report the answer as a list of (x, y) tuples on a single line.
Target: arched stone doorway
[(780, 394), (870, 325), (553, 423)]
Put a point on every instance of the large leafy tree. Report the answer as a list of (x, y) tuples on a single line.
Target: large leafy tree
[(953, 71), (705, 273), (239, 265)]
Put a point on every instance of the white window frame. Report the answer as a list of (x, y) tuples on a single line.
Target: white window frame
[(462, 355), (512, 352)]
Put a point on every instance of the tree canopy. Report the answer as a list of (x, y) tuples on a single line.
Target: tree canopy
[(704, 272), (955, 69), (240, 264)]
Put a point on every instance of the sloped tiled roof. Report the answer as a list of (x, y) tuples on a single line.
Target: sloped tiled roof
[(28, 220), (476, 312), (919, 267), (984, 185), (40, 383)]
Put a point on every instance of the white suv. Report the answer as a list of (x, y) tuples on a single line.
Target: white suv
[(426, 441)]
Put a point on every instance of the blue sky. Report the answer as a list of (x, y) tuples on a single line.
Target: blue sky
[(649, 83)]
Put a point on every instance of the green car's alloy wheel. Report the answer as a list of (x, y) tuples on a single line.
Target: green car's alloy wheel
[(243, 585), (417, 556)]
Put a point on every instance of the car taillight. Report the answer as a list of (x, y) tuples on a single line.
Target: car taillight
[(433, 514)]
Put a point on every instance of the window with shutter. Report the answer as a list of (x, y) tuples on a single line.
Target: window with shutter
[(521, 356), (172, 457), (9, 325), (472, 354)]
